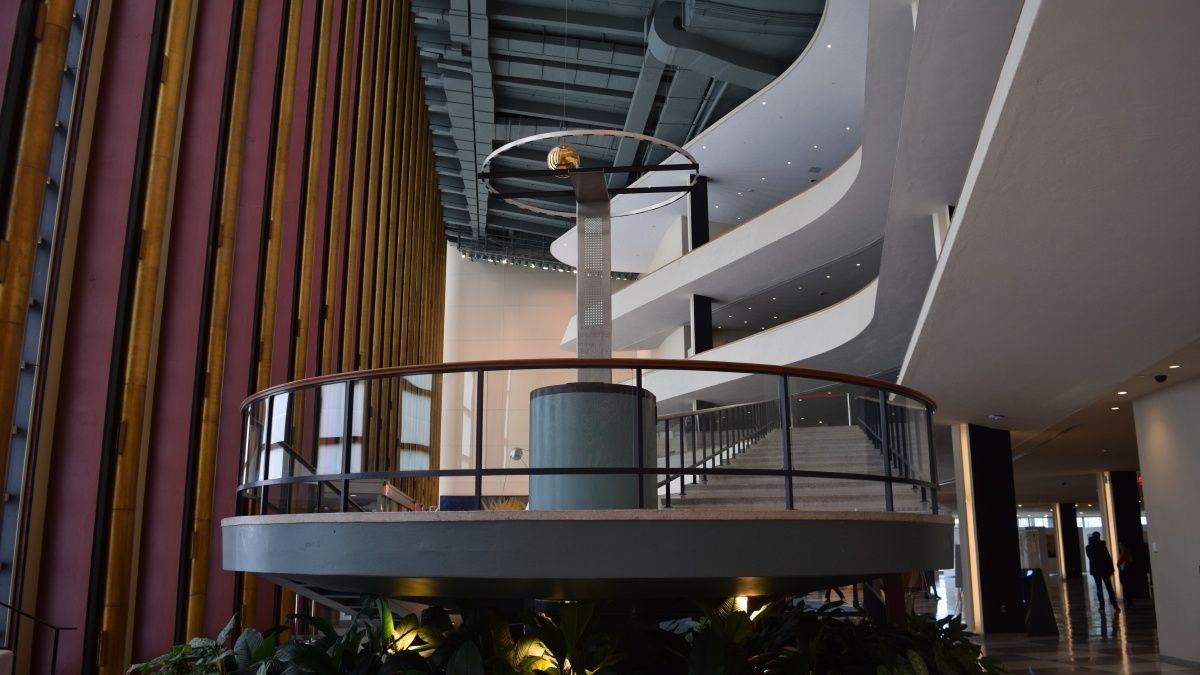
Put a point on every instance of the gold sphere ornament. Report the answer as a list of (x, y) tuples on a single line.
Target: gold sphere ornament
[(562, 158)]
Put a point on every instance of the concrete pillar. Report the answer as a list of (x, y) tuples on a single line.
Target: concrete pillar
[(987, 520), (1168, 436), (1070, 558)]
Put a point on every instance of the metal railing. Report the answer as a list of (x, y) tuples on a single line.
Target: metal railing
[(41, 622), (317, 445)]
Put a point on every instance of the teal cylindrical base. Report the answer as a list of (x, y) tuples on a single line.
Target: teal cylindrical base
[(590, 425)]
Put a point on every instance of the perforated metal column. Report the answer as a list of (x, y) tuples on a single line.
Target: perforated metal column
[(593, 289)]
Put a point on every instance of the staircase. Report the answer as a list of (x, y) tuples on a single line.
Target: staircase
[(834, 449)]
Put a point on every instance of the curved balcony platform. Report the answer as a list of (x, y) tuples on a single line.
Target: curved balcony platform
[(714, 479), (657, 553)]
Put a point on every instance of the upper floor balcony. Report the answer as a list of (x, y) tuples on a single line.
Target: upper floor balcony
[(685, 478)]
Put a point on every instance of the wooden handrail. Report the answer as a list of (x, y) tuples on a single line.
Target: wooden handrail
[(574, 363)]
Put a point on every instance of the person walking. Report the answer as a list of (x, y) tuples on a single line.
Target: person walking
[(1100, 566)]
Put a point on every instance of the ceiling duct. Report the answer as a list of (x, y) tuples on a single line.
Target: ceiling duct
[(670, 43)]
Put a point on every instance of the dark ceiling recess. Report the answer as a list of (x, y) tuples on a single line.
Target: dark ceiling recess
[(497, 71)]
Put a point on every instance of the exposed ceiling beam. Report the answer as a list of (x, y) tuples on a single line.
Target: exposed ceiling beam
[(627, 27)]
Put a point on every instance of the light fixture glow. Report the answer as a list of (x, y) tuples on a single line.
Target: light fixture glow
[(1116, 407), (1122, 393), (1172, 366)]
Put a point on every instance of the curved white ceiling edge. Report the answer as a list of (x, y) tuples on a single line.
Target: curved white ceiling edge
[(805, 337), (711, 260), (839, 76), (792, 342)]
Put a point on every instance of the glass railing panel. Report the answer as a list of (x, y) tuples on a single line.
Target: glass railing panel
[(846, 493), (460, 413), (910, 443), (332, 441), (832, 427), (508, 443), (724, 448), (254, 451)]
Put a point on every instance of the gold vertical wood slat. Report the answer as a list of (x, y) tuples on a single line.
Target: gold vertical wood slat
[(352, 273), (276, 195), (336, 198), (24, 211), (312, 216), (387, 165), (374, 194), (137, 385), (219, 324), (390, 405)]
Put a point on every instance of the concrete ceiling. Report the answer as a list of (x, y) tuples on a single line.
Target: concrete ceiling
[(506, 69), (1070, 273)]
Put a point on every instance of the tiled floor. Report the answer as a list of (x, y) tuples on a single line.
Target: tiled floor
[(1089, 641)]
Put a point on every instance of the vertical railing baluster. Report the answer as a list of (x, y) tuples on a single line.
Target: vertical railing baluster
[(667, 449), (695, 422), (885, 432), (786, 441), (682, 460), (479, 440), (347, 436), (641, 450), (933, 477)]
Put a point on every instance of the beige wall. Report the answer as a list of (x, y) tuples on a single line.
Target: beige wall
[(496, 311), (1168, 433)]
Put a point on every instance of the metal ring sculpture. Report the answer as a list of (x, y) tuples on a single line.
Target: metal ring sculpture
[(586, 132)]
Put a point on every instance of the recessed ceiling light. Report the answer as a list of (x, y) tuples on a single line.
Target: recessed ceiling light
[(764, 177), (1116, 407), (739, 193), (717, 207), (731, 316), (826, 276), (749, 308), (745, 322), (858, 264), (705, 147), (1122, 393), (774, 317), (1020, 506), (772, 298), (814, 146), (847, 128), (1172, 366), (995, 418), (828, 46), (789, 162), (739, 217), (764, 102), (718, 326), (800, 288)]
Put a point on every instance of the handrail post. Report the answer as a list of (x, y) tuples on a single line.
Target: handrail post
[(479, 440), (885, 433), (682, 461), (641, 450), (667, 449), (786, 441), (933, 477), (695, 422), (347, 438)]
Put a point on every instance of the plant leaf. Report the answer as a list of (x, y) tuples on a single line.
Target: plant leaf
[(466, 661)]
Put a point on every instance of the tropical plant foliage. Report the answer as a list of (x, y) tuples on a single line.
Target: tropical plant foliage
[(776, 639)]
